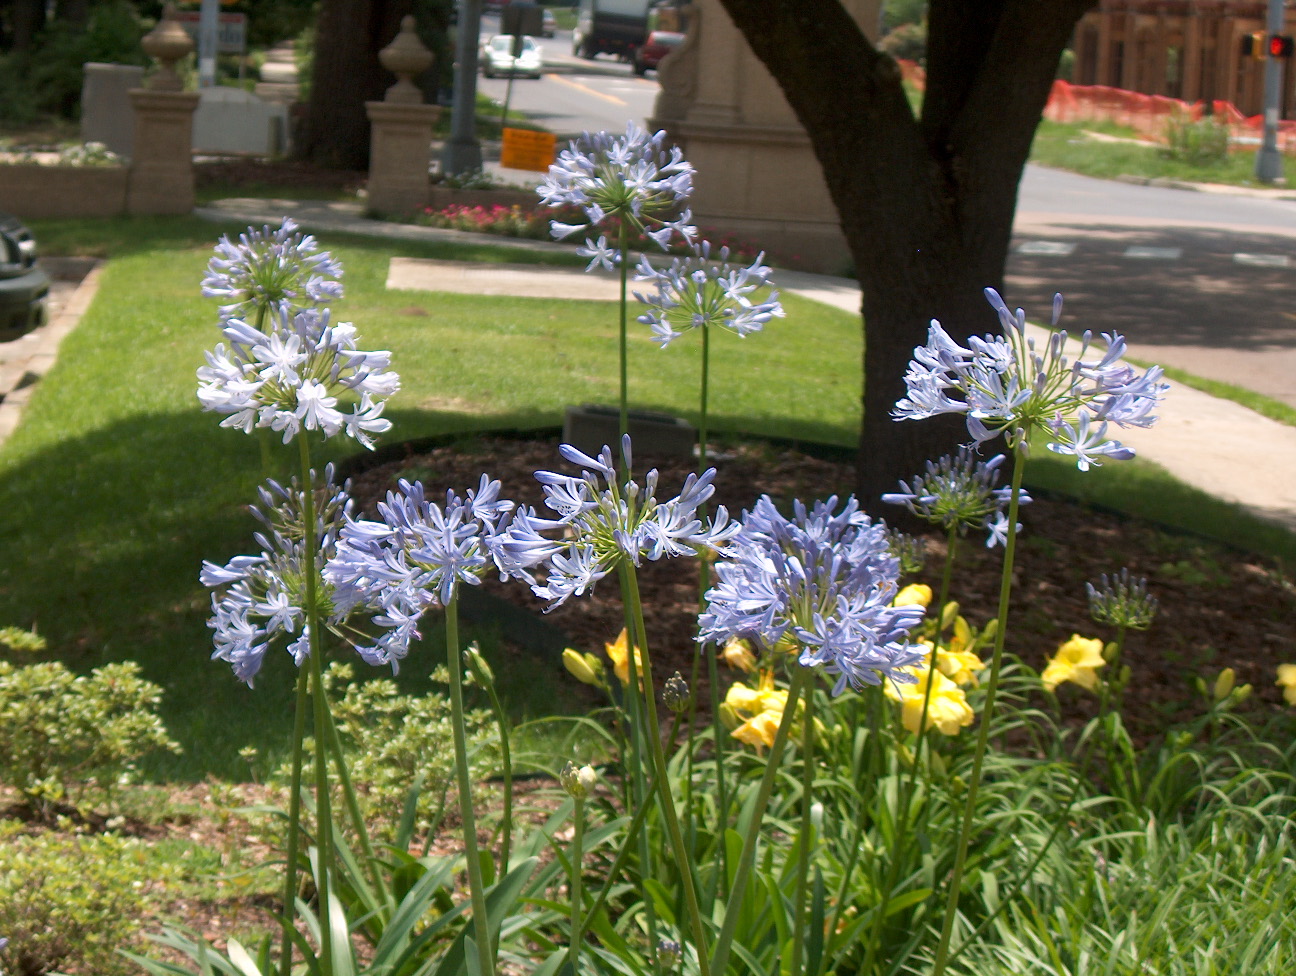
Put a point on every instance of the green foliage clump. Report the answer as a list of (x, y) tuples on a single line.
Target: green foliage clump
[(1199, 142), (69, 902), (46, 81), (908, 42), (390, 739), (60, 732)]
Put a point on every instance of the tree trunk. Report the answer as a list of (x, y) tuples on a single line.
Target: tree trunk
[(926, 204), (346, 74), (28, 19)]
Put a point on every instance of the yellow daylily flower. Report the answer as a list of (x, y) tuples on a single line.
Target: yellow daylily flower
[(759, 709), (947, 709), (959, 666), (620, 658), (915, 594), (1287, 679), (737, 654), (1077, 660), (759, 730)]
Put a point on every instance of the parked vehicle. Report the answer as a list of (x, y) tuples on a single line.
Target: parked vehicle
[(659, 44), (498, 59), (548, 25), (24, 286), (610, 27)]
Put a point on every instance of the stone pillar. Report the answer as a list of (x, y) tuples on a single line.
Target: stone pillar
[(161, 177), (400, 144)]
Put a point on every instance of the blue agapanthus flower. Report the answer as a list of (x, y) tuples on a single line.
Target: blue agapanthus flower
[(820, 583), (271, 270), (960, 492), (260, 600), (608, 521), (633, 179), (1006, 385), (697, 292), (419, 553), (304, 373)]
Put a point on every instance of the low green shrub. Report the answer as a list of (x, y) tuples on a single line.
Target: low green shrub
[(1200, 142), (69, 903), (61, 732)]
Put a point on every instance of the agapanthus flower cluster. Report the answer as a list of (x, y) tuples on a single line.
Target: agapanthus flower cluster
[(1122, 601), (275, 270), (821, 581), (697, 292), (609, 522), (290, 378), (960, 492), (418, 556), (1006, 385), (259, 600), (634, 179)]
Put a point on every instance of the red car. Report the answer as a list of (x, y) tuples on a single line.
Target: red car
[(659, 44)]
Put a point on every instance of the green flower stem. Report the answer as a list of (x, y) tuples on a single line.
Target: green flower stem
[(807, 828), (653, 734), (476, 886), (323, 810), (733, 908), (983, 733), (718, 747), (294, 823), (577, 916), (622, 247), (702, 422), (506, 762)]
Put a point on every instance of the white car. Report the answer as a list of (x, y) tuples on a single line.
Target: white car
[(498, 59)]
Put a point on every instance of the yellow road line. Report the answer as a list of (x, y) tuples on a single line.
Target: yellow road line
[(586, 89)]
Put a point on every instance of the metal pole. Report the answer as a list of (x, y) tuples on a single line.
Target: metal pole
[(463, 152), (1269, 164), (208, 25)]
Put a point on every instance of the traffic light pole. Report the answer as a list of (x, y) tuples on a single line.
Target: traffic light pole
[(1269, 163), (463, 154)]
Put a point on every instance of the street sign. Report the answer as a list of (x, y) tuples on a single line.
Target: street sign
[(527, 149), (231, 30)]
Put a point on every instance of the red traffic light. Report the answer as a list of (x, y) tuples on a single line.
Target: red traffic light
[(1280, 46)]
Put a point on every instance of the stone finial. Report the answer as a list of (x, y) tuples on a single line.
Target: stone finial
[(405, 57), (166, 43)]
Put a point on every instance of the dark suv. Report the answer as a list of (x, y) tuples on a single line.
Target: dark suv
[(24, 286)]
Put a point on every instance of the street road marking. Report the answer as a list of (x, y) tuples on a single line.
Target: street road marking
[(1052, 249), (1262, 260), (1154, 253), (586, 89)]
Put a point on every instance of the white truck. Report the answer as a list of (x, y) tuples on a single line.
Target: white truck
[(610, 27)]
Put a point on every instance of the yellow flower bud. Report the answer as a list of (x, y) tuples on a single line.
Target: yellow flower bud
[(737, 654), (579, 668), (1224, 684), (915, 594), (949, 613), (1287, 681)]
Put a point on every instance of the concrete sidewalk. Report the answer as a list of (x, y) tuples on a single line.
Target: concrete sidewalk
[(1215, 445)]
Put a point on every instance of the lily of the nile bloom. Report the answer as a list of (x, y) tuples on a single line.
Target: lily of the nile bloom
[(1007, 385), (1076, 660), (609, 524), (634, 181), (821, 581), (276, 270), (1121, 601), (296, 377), (260, 600), (947, 708), (960, 492), (420, 553), (697, 292)]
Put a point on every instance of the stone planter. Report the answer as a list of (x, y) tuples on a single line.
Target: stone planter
[(34, 192), (589, 427)]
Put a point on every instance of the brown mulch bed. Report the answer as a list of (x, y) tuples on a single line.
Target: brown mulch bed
[(1218, 608)]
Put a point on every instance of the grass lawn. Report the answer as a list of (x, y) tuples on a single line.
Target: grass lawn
[(1066, 145)]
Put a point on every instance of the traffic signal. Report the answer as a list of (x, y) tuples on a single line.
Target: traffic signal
[(1255, 46), (1280, 46)]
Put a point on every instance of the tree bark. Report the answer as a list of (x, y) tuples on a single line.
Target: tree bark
[(926, 203), (346, 74)]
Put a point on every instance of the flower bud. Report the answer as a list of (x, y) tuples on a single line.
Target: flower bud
[(915, 594), (577, 782), (675, 693), (579, 667), (1241, 693), (737, 654), (729, 716), (949, 613), (478, 663), (1224, 684), (668, 953)]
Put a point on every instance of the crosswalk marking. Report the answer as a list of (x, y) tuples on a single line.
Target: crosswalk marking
[(1262, 260), (1052, 249), (1154, 253)]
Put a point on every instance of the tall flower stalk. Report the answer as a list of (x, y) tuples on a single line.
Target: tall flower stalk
[(1007, 385)]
